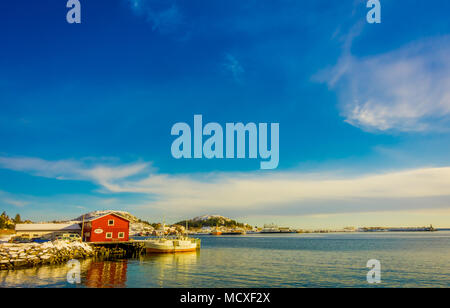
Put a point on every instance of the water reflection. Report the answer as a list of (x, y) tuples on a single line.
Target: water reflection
[(177, 259), (334, 260), (152, 271), (160, 269), (35, 277), (104, 274)]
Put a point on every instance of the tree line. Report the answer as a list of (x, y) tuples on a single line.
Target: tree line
[(212, 222), (9, 223)]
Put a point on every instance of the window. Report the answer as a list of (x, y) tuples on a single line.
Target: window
[(108, 234), (121, 234), (111, 222)]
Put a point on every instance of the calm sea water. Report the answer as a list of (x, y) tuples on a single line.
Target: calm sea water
[(290, 260)]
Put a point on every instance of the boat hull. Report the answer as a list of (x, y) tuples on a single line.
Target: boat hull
[(156, 250), (172, 246)]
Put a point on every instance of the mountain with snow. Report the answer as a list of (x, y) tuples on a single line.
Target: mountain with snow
[(132, 218), (209, 217), (211, 221)]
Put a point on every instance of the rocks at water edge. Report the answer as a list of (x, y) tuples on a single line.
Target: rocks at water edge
[(14, 256)]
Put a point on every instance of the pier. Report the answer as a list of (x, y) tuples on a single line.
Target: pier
[(119, 249)]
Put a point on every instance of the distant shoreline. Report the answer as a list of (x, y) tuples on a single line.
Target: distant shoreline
[(322, 232)]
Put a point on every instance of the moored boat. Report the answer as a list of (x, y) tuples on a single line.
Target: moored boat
[(169, 245), (270, 229)]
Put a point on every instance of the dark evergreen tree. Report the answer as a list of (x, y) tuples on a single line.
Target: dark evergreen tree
[(17, 219)]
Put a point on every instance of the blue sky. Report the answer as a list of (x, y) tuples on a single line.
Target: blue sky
[(87, 109)]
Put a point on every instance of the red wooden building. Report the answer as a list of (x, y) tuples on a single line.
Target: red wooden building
[(106, 228)]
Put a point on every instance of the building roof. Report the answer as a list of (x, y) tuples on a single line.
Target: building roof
[(97, 217), (48, 227)]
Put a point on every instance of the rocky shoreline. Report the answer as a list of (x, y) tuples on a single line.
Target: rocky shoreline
[(15, 256)]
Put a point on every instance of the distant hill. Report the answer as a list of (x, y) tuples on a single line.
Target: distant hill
[(124, 214), (197, 222), (220, 218), (212, 221)]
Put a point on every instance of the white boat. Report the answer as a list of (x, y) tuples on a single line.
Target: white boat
[(169, 245), (270, 229)]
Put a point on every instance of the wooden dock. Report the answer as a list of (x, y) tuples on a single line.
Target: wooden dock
[(118, 248)]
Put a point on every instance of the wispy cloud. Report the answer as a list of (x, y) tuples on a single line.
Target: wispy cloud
[(293, 192), (93, 170), (233, 67), (404, 90), (14, 202), (165, 16), (11, 199), (255, 192)]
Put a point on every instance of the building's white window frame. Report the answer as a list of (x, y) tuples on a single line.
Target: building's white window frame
[(110, 222), (109, 233), (121, 233)]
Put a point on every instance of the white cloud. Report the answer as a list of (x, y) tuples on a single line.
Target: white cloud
[(93, 170), (256, 192), (17, 203), (404, 90), (10, 199), (294, 191)]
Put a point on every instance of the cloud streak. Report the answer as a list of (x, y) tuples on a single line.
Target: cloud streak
[(164, 16), (256, 192), (100, 173), (405, 90)]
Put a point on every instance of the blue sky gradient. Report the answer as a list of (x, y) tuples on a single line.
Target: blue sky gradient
[(87, 109)]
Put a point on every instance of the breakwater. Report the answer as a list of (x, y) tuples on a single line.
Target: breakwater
[(14, 256)]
